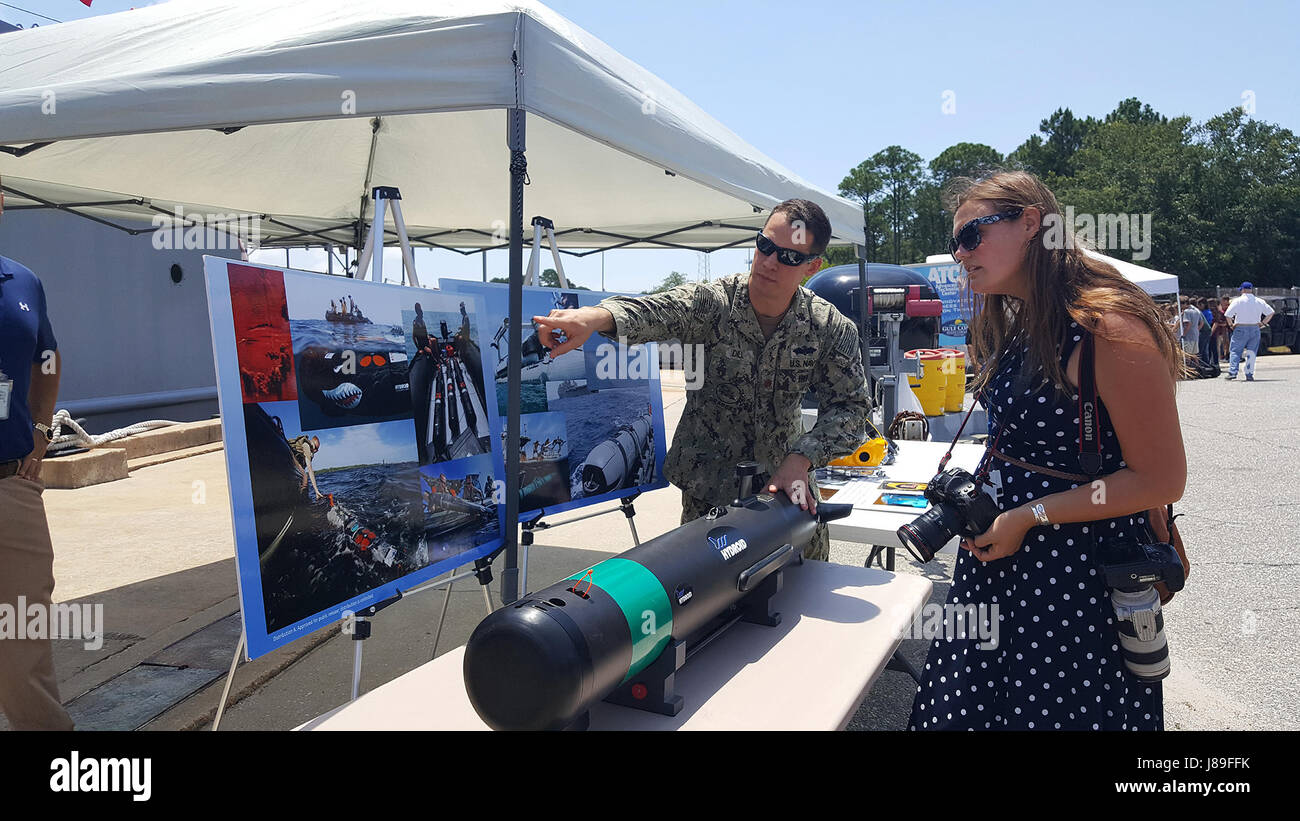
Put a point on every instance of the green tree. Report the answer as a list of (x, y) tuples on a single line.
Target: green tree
[(901, 173), (1133, 169), (1251, 186), (548, 278), (1052, 155), (671, 281), (1132, 110), (964, 160), (932, 223), (863, 185)]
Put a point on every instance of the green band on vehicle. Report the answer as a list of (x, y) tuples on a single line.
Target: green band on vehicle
[(644, 602)]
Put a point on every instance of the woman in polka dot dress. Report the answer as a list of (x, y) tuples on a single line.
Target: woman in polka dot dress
[(1053, 660)]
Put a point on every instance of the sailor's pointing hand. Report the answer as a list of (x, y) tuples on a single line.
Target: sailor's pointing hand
[(575, 324)]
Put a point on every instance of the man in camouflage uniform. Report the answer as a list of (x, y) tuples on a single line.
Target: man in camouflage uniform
[(766, 341)]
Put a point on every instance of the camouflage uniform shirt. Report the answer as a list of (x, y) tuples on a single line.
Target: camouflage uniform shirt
[(747, 405)]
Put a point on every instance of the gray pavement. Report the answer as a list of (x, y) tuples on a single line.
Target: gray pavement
[(156, 550)]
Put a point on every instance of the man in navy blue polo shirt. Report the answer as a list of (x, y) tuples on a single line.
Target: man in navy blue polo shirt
[(29, 384)]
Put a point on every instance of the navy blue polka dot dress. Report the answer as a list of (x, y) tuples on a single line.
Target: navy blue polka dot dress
[(1056, 664)]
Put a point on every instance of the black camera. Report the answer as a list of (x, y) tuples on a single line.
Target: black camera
[(1131, 566), (958, 507), (1131, 570)]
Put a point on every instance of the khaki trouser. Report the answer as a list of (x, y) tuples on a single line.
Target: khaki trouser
[(29, 692), (819, 547)]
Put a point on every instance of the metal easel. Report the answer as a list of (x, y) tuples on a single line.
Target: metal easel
[(534, 524), (385, 196), (540, 225), (358, 625)]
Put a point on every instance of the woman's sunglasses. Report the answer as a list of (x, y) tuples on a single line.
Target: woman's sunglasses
[(969, 235), (785, 256)]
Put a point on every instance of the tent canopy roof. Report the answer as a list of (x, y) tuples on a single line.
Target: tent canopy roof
[(294, 109)]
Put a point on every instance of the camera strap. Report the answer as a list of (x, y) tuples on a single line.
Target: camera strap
[(1089, 411), (981, 472)]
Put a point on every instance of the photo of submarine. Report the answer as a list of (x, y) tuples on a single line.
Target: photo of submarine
[(447, 388), (350, 371), (626, 459)]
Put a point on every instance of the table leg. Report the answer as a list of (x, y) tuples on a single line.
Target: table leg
[(899, 663)]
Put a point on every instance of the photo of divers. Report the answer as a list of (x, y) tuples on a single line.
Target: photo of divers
[(330, 507), (459, 499), (447, 384), (337, 510), (585, 438)]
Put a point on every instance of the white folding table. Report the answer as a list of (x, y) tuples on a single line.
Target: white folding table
[(839, 627), (877, 524)]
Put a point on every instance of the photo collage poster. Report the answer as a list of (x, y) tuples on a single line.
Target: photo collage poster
[(591, 421), (359, 441)]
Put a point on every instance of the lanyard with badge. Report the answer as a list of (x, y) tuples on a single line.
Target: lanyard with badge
[(6, 391)]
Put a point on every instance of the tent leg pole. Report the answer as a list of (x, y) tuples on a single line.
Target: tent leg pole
[(518, 169), (865, 327)]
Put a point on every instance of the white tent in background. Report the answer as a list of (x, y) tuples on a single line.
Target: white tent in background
[(1150, 280), (294, 109)]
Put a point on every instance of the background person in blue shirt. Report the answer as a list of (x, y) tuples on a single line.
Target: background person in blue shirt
[(1208, 353), (29, 692)]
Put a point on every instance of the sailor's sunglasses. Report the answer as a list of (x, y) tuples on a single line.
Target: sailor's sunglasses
[(786, 256), (969, 236)]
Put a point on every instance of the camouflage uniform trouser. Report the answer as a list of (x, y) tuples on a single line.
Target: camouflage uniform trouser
[(819, 547)]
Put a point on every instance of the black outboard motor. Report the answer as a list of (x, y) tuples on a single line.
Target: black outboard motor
[(839, 286)]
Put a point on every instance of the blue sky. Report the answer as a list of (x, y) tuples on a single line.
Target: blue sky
[(778, 74)]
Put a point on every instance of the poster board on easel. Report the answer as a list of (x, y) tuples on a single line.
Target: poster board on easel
[(312, 363)]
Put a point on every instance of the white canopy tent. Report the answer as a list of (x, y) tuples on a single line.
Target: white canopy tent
[(294, 109), (1150, 280)]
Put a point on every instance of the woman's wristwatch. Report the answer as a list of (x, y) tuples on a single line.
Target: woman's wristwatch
[(45, 430)]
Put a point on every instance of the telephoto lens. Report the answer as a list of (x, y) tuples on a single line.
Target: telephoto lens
[(1141, 628), (1131, 570), (958, 506)]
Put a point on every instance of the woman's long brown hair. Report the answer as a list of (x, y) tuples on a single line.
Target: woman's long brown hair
[(1064, 284)]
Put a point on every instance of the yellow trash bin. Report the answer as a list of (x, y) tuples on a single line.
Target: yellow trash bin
[(931, 387), (955, 375)]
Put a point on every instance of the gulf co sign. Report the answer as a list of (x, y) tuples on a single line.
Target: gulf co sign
[(945, 279)]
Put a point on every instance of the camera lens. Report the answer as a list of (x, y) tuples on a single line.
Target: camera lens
[(928, 533), (1141, 628)]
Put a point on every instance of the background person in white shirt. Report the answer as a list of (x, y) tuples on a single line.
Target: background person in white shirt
[(1246, 314)]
